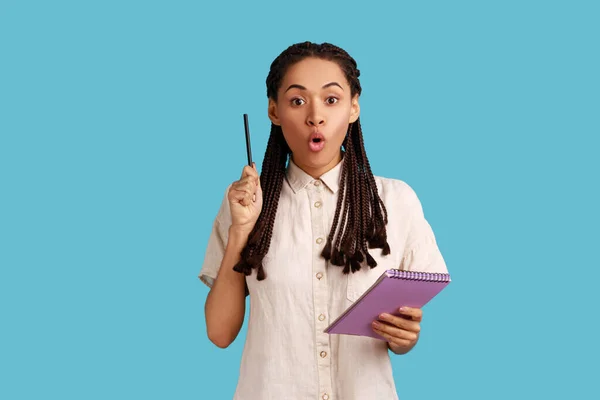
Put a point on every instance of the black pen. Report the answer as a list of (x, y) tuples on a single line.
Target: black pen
[(248, 149)]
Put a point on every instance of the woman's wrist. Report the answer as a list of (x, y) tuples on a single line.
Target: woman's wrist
[(238, 237)]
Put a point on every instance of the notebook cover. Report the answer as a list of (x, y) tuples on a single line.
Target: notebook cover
[(387, 295)]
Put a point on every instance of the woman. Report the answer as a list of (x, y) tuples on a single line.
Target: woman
[(308, 237)]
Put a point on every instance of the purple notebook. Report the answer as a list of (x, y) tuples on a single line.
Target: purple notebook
[(393, 289)]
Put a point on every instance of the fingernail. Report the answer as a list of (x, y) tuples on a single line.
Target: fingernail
[(376, 324), (402, 309), (383, 316)]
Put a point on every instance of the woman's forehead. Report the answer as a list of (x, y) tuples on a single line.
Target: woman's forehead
[(313, 74)]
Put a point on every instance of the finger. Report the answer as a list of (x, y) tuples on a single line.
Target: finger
[(245, 197), (247, 188), (249, 171), (255, 182), (392, 332), (401, 323), (245, 185), (255, 169), (245, 180), (246, 201), (401, 343), (237, 195), (416, 314), (394, 340)]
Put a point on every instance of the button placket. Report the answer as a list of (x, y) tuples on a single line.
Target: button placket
[(320, 289)]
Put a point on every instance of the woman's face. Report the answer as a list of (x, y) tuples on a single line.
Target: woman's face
[(314, 107)]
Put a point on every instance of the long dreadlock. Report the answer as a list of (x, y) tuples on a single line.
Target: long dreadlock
[(360, 213)]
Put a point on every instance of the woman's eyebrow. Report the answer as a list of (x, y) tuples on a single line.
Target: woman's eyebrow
[(333, 84), (324, 86)]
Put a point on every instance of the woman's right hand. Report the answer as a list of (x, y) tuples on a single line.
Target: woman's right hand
[(245, 200)]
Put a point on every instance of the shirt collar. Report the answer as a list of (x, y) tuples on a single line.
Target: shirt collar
[(298, 179)]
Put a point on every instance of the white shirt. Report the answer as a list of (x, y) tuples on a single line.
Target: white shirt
[(286, 354)]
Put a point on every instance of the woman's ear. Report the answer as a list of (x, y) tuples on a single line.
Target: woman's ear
[(273, 115), (354, 110)]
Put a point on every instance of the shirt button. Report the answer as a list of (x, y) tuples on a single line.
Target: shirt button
[(319, 275), (325, 396), (323, 354), (319, 240), (318, 204), (317, 183), (321, 317)]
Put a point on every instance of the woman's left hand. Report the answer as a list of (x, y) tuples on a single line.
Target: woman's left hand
[(401, 332)]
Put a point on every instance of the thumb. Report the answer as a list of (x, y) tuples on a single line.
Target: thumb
[(258, 187), (258, 179), (259, 192)]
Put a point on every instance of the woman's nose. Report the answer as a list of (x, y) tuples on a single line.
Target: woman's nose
[(315, 117)]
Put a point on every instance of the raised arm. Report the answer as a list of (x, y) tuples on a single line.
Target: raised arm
[(225, 305)]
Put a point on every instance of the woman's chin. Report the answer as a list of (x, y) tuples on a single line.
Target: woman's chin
[(317, 160)]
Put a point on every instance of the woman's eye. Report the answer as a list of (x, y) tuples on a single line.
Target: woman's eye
[(297, 102), (332, 100)]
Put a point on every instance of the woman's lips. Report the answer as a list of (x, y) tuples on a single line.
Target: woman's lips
[(316, 142)]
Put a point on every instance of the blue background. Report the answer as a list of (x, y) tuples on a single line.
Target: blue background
[(121, 126)]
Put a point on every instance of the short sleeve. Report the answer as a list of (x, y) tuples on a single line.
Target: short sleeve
[(421, 252), (217, 241)]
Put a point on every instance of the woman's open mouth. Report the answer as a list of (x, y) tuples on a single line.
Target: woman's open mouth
[(317, 142)]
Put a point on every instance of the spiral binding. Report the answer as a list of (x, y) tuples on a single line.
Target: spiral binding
[(418, 276)]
